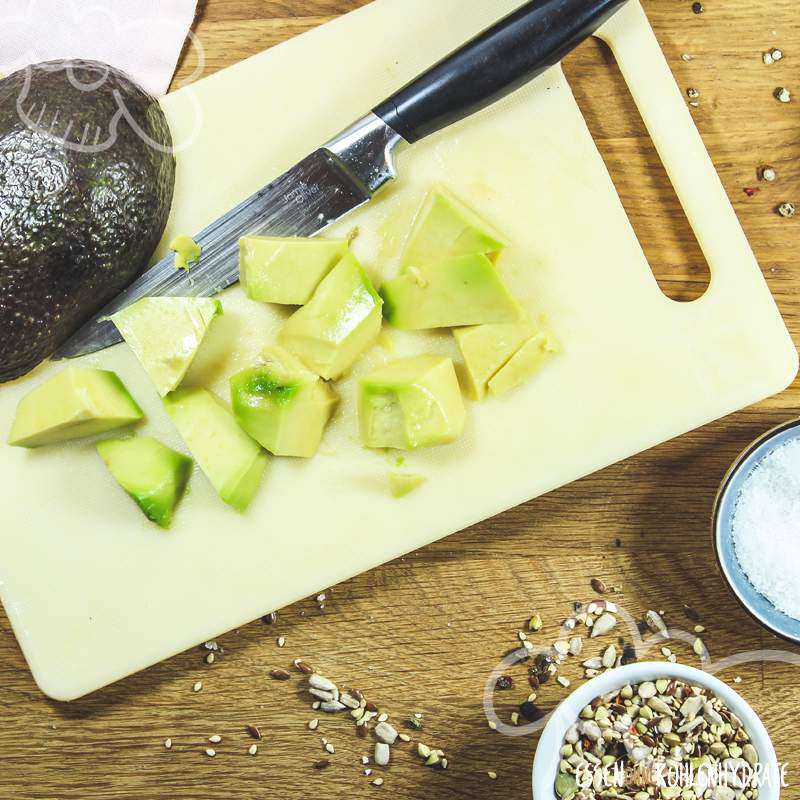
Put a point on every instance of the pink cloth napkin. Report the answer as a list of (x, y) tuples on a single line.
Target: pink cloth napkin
[(142, 37)]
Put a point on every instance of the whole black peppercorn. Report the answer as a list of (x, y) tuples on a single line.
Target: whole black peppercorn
[(698, 8)]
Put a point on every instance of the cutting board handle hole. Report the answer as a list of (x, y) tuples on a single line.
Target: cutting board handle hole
[(652, 206)]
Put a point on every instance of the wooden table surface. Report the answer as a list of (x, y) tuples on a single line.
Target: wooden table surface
[(421, 634)]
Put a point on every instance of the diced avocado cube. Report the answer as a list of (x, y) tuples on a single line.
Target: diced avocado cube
[(286, 270), (447, 228), (151, 473), (409, 403), (524, 364), (282, 405), (165, 334), (403, 483), (230, 459), (342, 319), (187, 251), (486, 348), (77, 402), (466, 290)]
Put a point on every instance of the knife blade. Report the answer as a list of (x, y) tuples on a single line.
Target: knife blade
[(347, 171)]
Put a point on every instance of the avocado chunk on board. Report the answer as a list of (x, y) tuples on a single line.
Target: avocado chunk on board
[(487, 348), (282, 405), (76, 403), (154, 475), (229, 458), (446, 228), (410, 403), (335, 327), (465, 290), (187, 251), (403, 483), (91, 166), (524, 364), (286, 270), (165, 334)]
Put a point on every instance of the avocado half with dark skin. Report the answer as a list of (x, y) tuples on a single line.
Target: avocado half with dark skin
[(87, 175)]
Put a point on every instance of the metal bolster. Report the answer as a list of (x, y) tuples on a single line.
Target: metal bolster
[(367, 150)]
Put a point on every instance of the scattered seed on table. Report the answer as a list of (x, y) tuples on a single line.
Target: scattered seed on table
[(377, 782), (698, 647), (323, 763), (269, 619), (563, 681), (215, 739), (404, 737), (198, 686), (209, 659), (301, 666), (699, 629), (382, 754), (329, 748), (279, 675), (783, 95), (211, 752), (254, 731), (281, 641), (253, 749), (787, 210), (535, 623), (168, 744), (692, 93), (313, 725), (751, 191), (598, 586), (684, 57), (492, 774), (698, 8), (492, 725)]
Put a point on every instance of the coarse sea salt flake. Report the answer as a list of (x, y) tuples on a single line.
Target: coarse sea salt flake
[(766, 527)]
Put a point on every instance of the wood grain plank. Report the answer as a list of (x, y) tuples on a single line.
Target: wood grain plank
[(423, 633)]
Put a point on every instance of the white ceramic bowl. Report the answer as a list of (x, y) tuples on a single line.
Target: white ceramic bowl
[(545, 765)]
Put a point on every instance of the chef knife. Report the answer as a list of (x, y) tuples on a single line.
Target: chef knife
[(348, 170)]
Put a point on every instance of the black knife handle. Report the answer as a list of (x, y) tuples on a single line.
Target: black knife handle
[(495, 63)]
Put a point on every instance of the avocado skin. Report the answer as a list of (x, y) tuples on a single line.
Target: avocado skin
[(76, 227)]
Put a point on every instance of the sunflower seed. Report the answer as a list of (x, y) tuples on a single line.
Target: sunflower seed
[(575, 645), (211, 752), (215, 739), (332, 707), (654, 621), (168, 744), (609, 657), (313, 725), (253, 749), (603, 625), (319, 682)]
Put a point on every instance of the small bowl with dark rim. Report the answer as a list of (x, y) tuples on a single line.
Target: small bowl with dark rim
[(750, 598)]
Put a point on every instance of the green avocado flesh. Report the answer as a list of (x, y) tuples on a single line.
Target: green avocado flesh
[(76, 403), (86, 177), (288, 270), (151, 473), (447, 228), (466, 290), (165, 333), (342, 319), (403, 483), (486, 348), (187, 251), (410, 403), (282, 405), (230, 459), (524, 364)]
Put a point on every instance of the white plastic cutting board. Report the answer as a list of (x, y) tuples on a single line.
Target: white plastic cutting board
[(95, 593)]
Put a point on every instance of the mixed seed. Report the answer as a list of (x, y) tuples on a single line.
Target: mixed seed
[(623, 741)]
